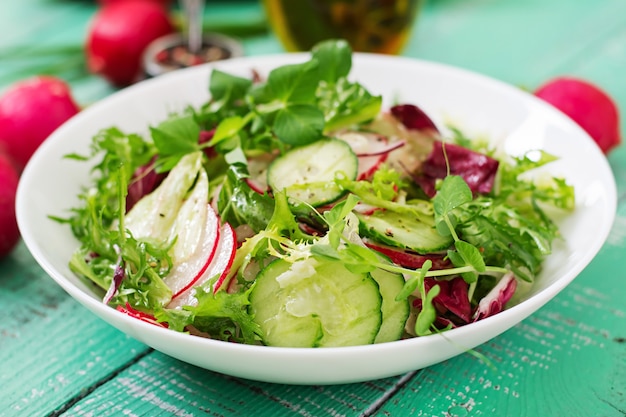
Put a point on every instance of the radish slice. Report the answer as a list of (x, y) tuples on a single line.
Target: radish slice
[(257, 186), (371, 150), (365, 209), (185, 274), (364, 143), (257, 168), (228, 249), (221, 263), (140, 315), (370, 144), (368, 165), (382, 150)]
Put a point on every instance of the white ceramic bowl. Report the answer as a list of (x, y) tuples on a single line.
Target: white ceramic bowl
[(479, 105)]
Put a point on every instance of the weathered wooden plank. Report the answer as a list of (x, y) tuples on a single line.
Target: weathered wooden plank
[(53, 351), (515, 41), (160, 385), (51, 348), (539, 371), (569, 359)]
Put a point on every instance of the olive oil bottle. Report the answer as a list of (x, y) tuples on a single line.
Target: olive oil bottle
[(381, 26)]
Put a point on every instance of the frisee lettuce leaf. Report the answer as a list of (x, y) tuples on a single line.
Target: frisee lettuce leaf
[(222, 315)]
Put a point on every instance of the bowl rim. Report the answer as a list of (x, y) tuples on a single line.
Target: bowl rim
[(501, 321)]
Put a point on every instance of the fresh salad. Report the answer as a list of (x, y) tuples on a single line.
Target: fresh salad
[(293, 210)]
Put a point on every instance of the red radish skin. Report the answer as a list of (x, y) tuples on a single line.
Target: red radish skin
[(118, 35), (588, 105), (182, 277), (371, 150), (229, 247), (9, 233), (163, 3), (140, 315), (221, 264), (30, 110)]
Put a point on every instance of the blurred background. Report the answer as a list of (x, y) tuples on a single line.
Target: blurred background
[(505, 39)]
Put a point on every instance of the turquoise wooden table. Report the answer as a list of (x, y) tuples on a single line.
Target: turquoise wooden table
[(568, 359)]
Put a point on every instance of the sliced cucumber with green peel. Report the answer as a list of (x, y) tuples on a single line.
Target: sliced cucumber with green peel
[(395, 313), (403, 230), (307, 173), (315, 303)]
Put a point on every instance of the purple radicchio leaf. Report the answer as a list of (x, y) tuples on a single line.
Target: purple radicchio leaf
[(118, 277), (497, 298), (145, 180), (205, 137), (413, 118), (477, 169), (452, 297), (452, 303)]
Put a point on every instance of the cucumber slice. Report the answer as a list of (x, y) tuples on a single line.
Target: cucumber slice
[(402, 230), (307, 173), (315, 303), (395, 313)]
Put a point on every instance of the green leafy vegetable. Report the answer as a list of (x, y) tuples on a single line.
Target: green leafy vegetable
[(234, 136), (239, 204), (222, 315)]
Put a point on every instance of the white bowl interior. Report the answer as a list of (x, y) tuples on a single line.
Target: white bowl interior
[(476, 104)]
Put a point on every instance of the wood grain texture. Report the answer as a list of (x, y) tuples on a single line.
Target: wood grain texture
[(556, 363), (51, 348), (159, 385), (569, 359), (516, 41)]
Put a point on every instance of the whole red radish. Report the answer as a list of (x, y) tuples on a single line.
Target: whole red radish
[(586, 104), (118, 35), (9, 233), (163, 3), (30, 110)]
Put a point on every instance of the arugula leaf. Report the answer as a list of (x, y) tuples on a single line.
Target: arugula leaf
[(502, 242)]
